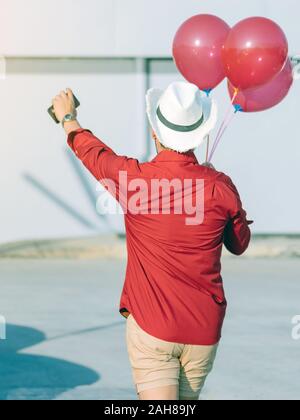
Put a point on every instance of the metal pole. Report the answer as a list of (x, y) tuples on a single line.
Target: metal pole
[(143, 80)]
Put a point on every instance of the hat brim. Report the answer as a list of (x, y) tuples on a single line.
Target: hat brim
[(178, 141)]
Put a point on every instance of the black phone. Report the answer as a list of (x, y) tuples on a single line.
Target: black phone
[(52, 113)]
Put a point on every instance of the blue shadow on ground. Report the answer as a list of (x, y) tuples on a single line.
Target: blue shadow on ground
[(25, 377)]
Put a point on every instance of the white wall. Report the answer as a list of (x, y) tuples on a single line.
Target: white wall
[(117, 28), (33, 145), (260, 151)]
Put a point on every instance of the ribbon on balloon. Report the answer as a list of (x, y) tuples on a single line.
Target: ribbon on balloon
[(225, 124)]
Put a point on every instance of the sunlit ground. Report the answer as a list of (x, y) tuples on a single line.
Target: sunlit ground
[(65, 338)]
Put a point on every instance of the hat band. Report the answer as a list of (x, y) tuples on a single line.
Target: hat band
[(179, 128)]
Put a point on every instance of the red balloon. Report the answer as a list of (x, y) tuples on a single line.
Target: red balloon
[(266, 96), (197, 50), (255, 52)]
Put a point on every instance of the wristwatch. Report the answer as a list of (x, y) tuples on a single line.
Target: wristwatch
[(69, 118)]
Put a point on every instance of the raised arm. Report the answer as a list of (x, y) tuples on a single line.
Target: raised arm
[(97, 157)]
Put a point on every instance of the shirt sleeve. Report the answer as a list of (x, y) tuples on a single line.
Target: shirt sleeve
[(237, 234), (100, 160)]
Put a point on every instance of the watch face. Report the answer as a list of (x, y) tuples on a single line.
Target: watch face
[(68, 117)]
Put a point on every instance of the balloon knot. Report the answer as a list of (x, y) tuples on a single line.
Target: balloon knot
[(207, 91), (238, 108)]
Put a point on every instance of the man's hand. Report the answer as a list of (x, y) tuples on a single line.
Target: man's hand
[(64, 104)]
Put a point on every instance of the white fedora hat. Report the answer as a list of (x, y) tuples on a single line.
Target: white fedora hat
[(181, 116)]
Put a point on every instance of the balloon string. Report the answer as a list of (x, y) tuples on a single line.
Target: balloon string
[(228, 112), (226, 125), (227, 115)]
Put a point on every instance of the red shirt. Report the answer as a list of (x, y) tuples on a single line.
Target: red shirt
[(173, 284)]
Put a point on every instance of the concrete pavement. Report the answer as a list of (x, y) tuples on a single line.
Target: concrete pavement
[(65, 339)]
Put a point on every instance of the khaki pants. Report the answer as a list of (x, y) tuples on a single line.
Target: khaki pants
[(157, 363)]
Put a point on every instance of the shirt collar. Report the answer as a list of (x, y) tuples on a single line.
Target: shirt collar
[(172, 156)]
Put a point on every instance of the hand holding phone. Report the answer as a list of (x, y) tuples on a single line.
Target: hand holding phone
[(52, 113)]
